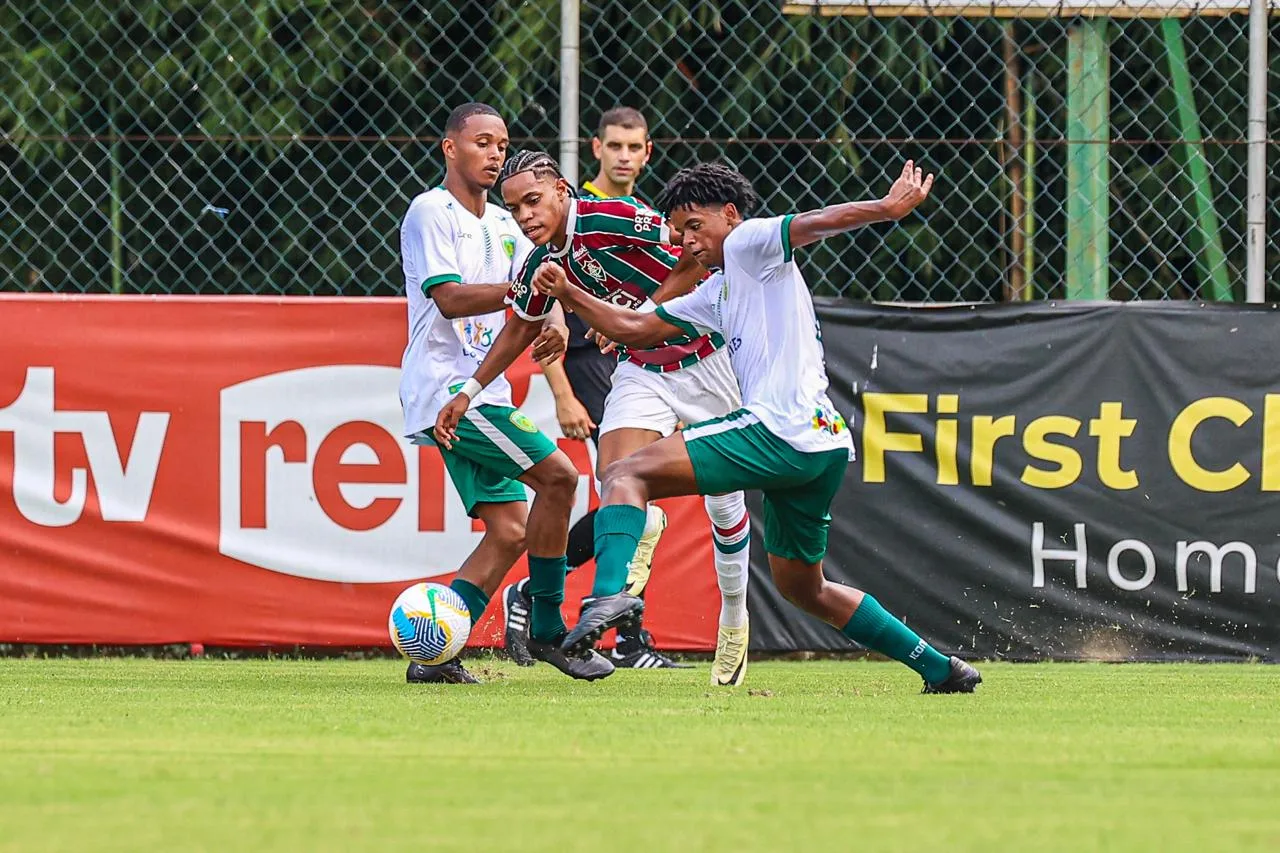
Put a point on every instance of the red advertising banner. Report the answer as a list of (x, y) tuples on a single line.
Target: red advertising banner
[(231, 471)]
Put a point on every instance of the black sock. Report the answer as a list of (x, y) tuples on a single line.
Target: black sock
[(582, 541)]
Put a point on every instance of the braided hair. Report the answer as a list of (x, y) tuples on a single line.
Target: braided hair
[(527, 160), (707, 183)]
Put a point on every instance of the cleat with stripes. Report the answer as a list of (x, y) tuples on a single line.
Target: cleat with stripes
[(639, 653), (963, 679), (516, 607), (449, 672)]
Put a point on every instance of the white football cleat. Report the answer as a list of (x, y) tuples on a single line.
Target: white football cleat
[(730, 666)]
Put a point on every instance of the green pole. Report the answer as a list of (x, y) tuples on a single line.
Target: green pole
[(1088, 160), (1211, 260)]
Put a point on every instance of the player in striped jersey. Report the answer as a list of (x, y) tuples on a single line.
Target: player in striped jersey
[(620, 251), (580, 384)]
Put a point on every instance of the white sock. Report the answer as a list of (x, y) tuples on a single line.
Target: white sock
[(731, 532)]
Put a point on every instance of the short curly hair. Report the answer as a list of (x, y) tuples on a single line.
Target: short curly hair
[(707, 183)]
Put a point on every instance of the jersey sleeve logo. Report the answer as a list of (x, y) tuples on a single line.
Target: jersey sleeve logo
[(644, 221), (509, 245)]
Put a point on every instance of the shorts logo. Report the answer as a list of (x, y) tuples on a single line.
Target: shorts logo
[(522, 422), (509, 245)]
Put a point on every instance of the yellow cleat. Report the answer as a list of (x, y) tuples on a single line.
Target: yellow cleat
[(730, 666), (642, 563)]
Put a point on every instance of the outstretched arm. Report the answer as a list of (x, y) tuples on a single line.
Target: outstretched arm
[(908, 191), (624, 325)]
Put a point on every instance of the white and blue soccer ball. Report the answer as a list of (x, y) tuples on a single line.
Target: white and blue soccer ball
[(429, 623)]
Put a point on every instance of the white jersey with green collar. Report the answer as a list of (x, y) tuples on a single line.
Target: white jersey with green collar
[(442, 241), (761, 305)]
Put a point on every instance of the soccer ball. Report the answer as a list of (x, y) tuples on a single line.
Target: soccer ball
[(429, 623)]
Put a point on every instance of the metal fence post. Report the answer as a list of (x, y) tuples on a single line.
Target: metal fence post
[(570, 38), (1256, 243)]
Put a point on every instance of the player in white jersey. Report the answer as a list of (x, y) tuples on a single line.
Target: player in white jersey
[(460, 254), (787, 440)]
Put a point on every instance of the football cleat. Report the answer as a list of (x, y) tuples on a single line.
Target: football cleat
[(963, 679), (598, 616), (449, 672), (516, 608), (730, 665), (642, 563), (585, 666), (639, 653)]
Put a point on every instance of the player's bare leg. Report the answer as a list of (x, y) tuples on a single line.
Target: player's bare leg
[(619, 444), (860, 617), (660, 470), (554, 481), (634, 648), (731, 531)]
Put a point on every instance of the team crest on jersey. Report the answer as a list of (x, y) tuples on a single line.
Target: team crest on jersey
[(521, 421), (590, 264), (509, 245)]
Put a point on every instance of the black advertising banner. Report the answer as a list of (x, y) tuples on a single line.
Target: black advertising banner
[(1056, 481)]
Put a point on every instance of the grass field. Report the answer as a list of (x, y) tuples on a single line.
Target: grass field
[(284, 755)]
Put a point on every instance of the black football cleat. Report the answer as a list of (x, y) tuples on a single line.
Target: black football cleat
[(585, 666), (639, 653), (963, 679), (598, 616), (449, 672), (516, 608)]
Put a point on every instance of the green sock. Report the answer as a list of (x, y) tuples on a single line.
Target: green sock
[(473, 595), (546, 588), (618, 531), (878, 629)]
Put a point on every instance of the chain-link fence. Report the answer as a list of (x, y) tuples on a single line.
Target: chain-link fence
[(179, 146)]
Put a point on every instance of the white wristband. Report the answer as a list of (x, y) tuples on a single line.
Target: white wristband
[(471, 388)]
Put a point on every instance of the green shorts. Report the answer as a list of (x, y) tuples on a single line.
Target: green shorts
[(738, 452), (495, 446)]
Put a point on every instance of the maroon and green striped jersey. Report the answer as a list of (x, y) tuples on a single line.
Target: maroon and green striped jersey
[(619, 251)]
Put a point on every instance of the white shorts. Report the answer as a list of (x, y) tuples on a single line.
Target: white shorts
[(646, 399)]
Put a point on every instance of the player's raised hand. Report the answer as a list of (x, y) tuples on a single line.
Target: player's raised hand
[(550, 280), (550, 343), (908, 191), (446, 428)]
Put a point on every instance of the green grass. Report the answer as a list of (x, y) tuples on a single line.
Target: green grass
[(137, 755)]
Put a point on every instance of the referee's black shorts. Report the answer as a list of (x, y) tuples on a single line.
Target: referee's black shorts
[(590, 375)]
